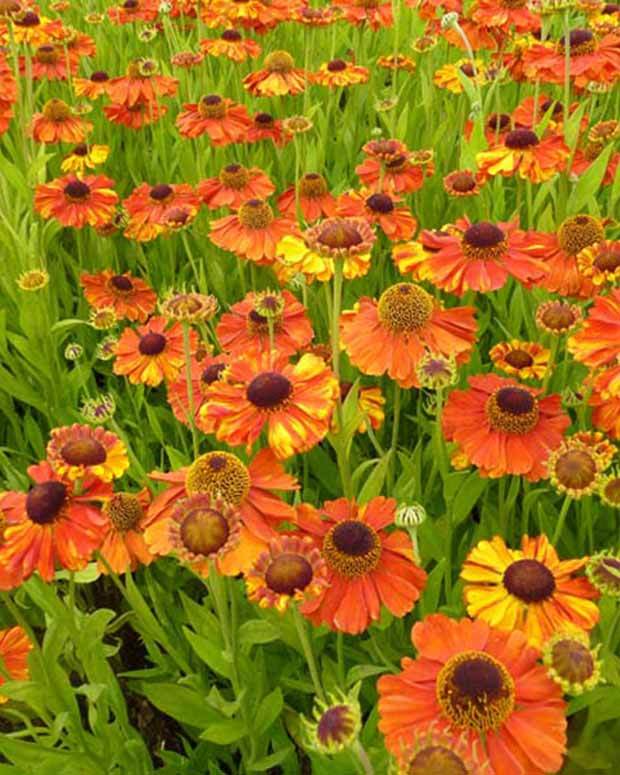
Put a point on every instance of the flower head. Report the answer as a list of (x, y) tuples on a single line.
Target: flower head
[(76, 451), (571, 662)]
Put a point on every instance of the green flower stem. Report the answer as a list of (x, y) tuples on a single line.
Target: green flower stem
[(304, 640), (360, 752), (190, 388), (561, 520)]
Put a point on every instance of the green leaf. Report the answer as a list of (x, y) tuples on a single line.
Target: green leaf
[(271, 761), (374, 483), (589, 183), (224, 732), (210, 653), (257, 631), (183, 704), (269, 710)]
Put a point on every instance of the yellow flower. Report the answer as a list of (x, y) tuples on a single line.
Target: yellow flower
[(33, 280), (84, 157)]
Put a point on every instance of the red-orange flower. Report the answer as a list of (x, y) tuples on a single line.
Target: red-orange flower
[(605, 401), (598, 343), (522, 153), (315, 200), (503, 427), (337, 74), (392, 335), (134, 11), (506, 14), (374, 13), (394, 219), (266, 127), (222, 119), (235, 185), (203, 373), (231, 45), (395, 169), (57, 124), (129, 296), (123, 546), (481, 683), (367, 566), (279, 76), (135, 116), (75, 451), (148, 207), (15, 645), (77, 202), (141, 84), (50, 62)]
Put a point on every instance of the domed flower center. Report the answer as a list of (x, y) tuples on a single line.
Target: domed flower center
[(279, 62), (47, 55), (608, 260), (405, 307), (204, 531), (558, 316), (467, 69), (380, 203), (475, 692), (288, 573), (131, 5), (77, 191), (232, 36), (336, 65), (611, 491), (529, 580), (81, 149), (384, 148), (152, 343), (99, 76), (572, 660), (312, 186), (234, 176), (576, 469), (264, 120), (84, 452), (352, 548), (581, 42), (339, 234), (498, 122), (28, 19), (161, 192), (463, 182), (219, 473), (579, 232), (212, 373), (436, 760), (121, 283), (548, 104), (512, 410), (124, 510), (519, 139), (255, 214), (610, 8), (269, 390), (56, 110), (336, 726), (45, 501), (212, 106), (519, 359), (397, 163)]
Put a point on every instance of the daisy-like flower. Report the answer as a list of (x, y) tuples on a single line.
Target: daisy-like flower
[(84, 157), (293, 403), (558, 317), (222, 119), (571, 662), (51, 525), (258, 15), (436, 371), (266, 127), (29, 26), (603, 571), (368, 567), (49, 62), (375, 14), (524, 360), (203, 373), (250, 488), (93, 87), (278, 77), (462, 183), (123, 547), (77, 202), (447, 77), (141, 84), (151, 354), (398, 62), (480, 683), (15, 645), (189, 306), (609, 490), (507, 14), (393, 335), (522, 153), (574, 468), (232, 45), (148, 207), (315, 200), (600, 262), (251, 233), (313, 252), (131, 11), (129, 296), (391, 167), (382, 209), (440, 752), (605, 402), (503, 427), (245, 330), (234, 186), (135, 116), (528, 589), (597, 344), (316, 17), (76, 451), (186, 59), (337, 74), (290, 571), (471, 256)]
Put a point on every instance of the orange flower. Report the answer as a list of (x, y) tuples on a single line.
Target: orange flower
[(293, 403), (462, 183), (28, 26), (250, 488), (266, 127), (397, 62), (600, 262), (479, 257), (245, 329), (141, 84), (530, 590), (373, 13), (77, 202), (315, 17), (315, 200), (503, 427), (123, 547), (57, 124), (278, 77), (135, 116), (380, 209), (223, 120), (51, 525), (598, 343), (605, 402), (75, 451), (149, 206), (152, 354), (203, 373), (15, 645), (338, 74), (522, 153), (392, 335), (482, 684), (232, 46), (257, 15), (392, 168), (235, 185), (49, 62), (252, 233), (131, 11), (127, 295), (558, 317), (367, 566), (507, 14), (529, 112), (525, 360)]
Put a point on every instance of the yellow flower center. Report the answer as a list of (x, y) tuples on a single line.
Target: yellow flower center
[(56, 110), (124, 510), (352, 548), (579, 232), (219, 473), (279, 62), (255, 214), (405, 307), (312, 186), (512, 410)]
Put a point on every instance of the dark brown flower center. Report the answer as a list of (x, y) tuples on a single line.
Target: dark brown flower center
[(579, 232), (380, 203), (161, 192), (312, 186), (529, 580), (263, 120), (519, 359), (336, 726), (231, 35), (204, 531), (77, 190), (288, 573), (467, 69), (99, 76), (397, 163), (152, 343), (212, 106), (611, 491), (512, 410), (578, 38), (45, 501), (405, 307), (498, 121), (548, 104), (81, 149), (212, 373), (84, 452), (269, 390), (558, 316), (131, 5), (47, 54), (336, 65), (436, 760), (463, 182), (29, 19), (484, 235), (521, 138), (352, 548), (122, 283), (219, 473), (608, 260)]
